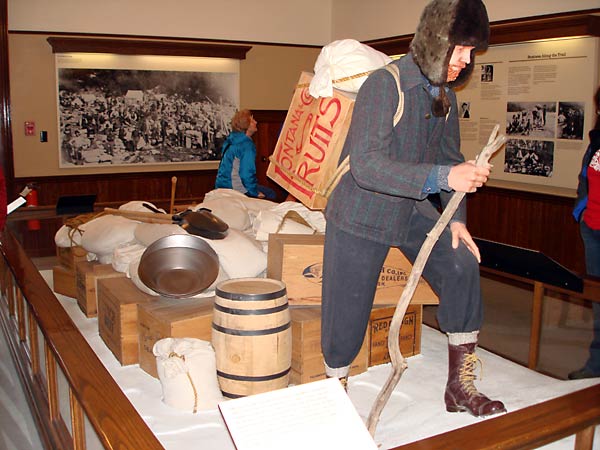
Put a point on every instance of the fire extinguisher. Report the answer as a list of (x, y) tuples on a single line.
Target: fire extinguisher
[(32, 200)]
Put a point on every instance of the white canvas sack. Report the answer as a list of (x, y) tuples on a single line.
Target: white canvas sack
[(345, 65), (187, 370)]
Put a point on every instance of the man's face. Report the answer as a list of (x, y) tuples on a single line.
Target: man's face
[(461, 57)]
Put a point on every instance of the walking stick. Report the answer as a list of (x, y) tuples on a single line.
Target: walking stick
[(399, 364)]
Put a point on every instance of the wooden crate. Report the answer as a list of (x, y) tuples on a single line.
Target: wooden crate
[(87, 275), (297, 260), (118, 300), (64, 281), (307, 358), (178, 318), (379, 329), (311, 140), (69, 256)]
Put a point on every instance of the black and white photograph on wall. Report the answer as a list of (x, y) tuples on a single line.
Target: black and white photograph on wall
[(487, 73), (127, 117), (532, 119), (570, 120), (529, 157), (465, 110)]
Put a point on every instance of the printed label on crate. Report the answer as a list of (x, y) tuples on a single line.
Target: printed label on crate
[(389, 276), (380, 330)]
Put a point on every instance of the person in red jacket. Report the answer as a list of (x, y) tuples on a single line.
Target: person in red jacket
[(587, 213)]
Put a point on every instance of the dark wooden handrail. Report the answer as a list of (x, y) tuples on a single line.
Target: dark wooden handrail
[(115, 420)]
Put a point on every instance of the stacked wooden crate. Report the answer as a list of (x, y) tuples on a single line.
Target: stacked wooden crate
[(63, 274), (297, 260), (307, 359)]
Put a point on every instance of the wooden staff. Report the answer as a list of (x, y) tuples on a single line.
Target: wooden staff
[(398, 361), (141, 216), (173, 186)]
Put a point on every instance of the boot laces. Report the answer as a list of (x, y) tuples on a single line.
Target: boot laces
[(466, 375)]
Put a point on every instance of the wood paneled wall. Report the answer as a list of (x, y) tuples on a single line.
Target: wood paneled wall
[(530, 220)]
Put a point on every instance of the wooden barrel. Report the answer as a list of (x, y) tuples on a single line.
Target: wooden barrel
[(252, 336)]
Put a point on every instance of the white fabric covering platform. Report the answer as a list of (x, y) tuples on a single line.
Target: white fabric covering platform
[(415, 410)]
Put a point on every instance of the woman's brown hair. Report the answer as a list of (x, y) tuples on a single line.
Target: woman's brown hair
[(241, 120)]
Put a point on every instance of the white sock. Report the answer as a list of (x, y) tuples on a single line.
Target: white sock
[(338, 372), (463, 338)]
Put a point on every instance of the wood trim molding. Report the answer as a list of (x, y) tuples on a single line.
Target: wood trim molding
[(146, 47), (6, 154), (516, 30)]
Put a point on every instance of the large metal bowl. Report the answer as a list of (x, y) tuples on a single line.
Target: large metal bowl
[(178, 266)]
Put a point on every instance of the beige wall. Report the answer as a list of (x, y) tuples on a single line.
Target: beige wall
[(268, 77), (309, 22), (364, 21), (282, 21)]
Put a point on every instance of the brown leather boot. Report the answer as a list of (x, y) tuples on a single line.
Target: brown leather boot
[(461, 394)]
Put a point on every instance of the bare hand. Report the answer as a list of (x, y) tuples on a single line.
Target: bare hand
[(460, 233), (467, 177)]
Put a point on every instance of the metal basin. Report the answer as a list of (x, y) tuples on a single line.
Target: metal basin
[(180, 265)]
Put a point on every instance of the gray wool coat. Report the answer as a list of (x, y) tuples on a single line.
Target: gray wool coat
[(390, 165)]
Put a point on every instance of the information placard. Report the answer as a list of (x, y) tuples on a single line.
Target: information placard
[(541, 94)]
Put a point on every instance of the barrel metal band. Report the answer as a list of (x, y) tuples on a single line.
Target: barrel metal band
[(267, 331), (251, 312), (234, 377), (250, 297)]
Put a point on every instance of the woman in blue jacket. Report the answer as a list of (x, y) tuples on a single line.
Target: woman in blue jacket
[(237, 169)]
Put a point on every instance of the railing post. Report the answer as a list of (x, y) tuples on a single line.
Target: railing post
[(536, 324)]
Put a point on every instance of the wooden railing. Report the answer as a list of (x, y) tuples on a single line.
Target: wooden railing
[(48, 349)]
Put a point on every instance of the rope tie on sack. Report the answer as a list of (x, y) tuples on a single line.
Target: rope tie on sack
[(340, 80), (182, 357), (350, 77), (74, 224)]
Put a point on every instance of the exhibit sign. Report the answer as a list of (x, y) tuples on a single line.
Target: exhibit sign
[(541, 94)]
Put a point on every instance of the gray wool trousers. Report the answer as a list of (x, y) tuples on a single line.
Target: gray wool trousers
[(351, 269)]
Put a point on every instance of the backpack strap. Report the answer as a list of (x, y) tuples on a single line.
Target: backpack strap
[(395, 71), (345, 164)]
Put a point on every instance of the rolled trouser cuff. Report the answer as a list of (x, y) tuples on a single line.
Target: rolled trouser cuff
[(463, 338), (338, 372)]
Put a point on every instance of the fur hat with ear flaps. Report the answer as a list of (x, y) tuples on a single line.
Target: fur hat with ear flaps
[(444, 24)]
